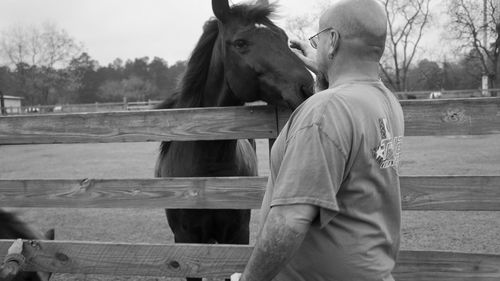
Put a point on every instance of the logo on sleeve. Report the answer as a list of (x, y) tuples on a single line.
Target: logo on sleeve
[(388, 152)]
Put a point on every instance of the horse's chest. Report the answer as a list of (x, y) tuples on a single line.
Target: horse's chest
[(190, 159)]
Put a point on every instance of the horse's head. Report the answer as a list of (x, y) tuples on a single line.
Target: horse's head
[(258, 64)]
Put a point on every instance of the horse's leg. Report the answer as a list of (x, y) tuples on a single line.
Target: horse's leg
[(233, 227)]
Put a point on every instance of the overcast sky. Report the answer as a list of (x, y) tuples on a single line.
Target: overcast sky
[(129, 29), (126, 28)]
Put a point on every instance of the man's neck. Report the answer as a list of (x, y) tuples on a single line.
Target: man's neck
[(350, 71)]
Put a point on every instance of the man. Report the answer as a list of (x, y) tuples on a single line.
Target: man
[(332, 205)]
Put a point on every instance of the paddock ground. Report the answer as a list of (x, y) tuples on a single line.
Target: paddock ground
[(454, 231)]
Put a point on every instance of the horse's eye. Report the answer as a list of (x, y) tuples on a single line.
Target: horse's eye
[(240, 44)]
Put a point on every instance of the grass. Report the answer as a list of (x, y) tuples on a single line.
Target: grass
[(456, 231)]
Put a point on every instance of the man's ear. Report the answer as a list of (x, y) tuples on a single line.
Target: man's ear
[(334, 43)]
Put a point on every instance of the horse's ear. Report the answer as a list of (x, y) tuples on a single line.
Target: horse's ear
[(221, 9), (263, 2)]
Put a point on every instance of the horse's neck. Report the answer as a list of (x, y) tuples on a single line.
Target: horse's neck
[(216, 94)]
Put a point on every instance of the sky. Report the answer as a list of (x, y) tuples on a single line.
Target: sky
[(127, 29)]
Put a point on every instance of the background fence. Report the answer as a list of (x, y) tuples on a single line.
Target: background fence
[(422, 118), (146, 105), (73, 108)]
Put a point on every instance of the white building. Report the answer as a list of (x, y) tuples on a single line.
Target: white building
[(12, 104)]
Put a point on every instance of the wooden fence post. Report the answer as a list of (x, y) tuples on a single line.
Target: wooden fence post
[(2, 104)]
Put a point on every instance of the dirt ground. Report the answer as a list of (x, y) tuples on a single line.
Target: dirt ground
[(455, 231)]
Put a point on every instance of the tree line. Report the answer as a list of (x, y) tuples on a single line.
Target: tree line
[(45, 65), (83, 80)]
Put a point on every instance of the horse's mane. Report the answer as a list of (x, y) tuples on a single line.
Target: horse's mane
[(12, 228), (192, 84)]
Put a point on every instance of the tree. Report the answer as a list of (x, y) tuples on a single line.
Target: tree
[(133, 88), (158, 72), (39, 56), (301, 26), (407, 21), (427, 75), (84, 69), (138, 67), (304, 26), (47, 46), (469, 23)]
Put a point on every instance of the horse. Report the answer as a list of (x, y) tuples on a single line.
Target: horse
[(242, 56), (11, 227), (435, 95)]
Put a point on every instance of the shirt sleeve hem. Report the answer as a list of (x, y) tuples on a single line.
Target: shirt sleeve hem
[(328, 209)]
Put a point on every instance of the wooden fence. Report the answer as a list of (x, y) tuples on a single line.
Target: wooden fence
[(448, 193)]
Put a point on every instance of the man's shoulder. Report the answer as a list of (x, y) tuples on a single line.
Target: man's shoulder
[(322, 110)]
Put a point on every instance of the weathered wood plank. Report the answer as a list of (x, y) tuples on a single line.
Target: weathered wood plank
[(196, 193), (155, 125), (446, 266), (474, 116), (223, 260), (120, 259), (444, 193), (451, 193)]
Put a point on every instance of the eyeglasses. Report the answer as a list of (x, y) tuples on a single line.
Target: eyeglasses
[(314, 40)]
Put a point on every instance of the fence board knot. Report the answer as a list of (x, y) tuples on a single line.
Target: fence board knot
[(455, 115)]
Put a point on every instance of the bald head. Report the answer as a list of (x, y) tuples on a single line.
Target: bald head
[(362, 25)]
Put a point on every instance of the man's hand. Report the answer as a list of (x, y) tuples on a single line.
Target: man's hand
[(16, 247), (306, 53)]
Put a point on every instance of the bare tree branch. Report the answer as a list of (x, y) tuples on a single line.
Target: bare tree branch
[(467, 26), (407, 22), (45, 46)]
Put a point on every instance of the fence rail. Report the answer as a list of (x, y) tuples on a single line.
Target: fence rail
[(453, 94), (222, 260), (422, 118), (437, 193), (140, 126), (73, 108)]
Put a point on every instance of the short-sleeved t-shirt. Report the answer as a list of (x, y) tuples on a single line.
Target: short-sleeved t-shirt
[(340, 151)]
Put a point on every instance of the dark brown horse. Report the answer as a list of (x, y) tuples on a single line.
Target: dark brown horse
[(242, 56), (12, 228)]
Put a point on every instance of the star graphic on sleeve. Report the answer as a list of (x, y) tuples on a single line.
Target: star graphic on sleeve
[(380, 152)]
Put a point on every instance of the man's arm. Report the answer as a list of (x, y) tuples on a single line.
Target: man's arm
[(282, 234)]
